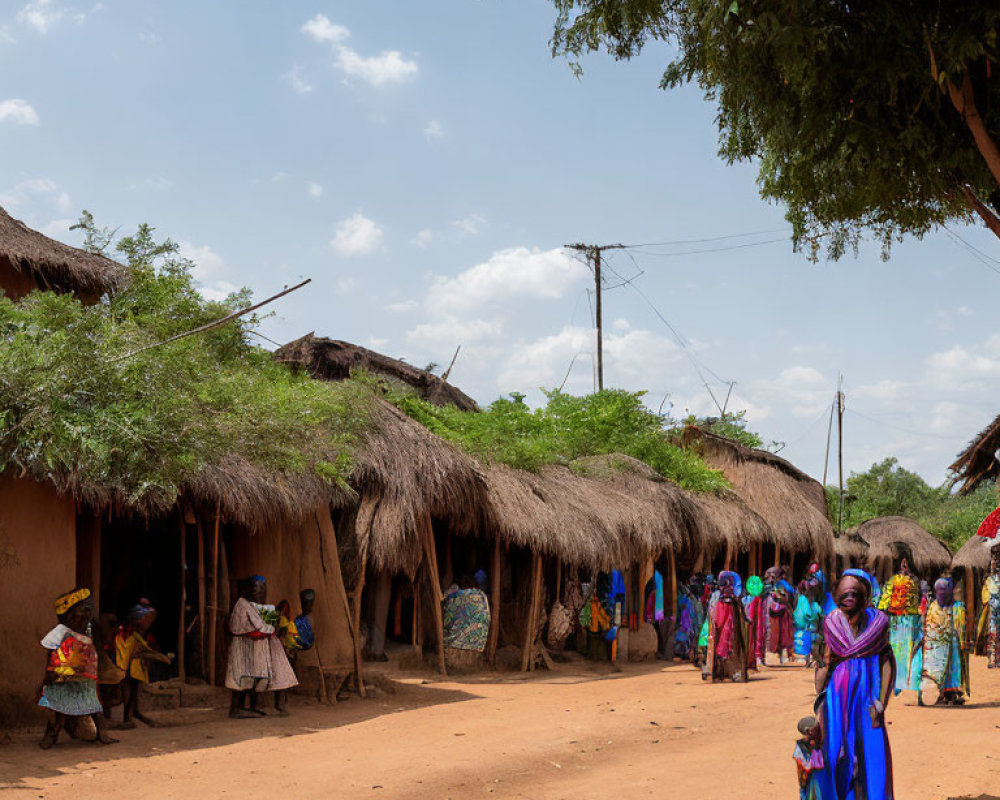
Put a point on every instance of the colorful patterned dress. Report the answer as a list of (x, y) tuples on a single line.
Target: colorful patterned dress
[(991, 619), (807, 616), (72, 670), (900, 600), (466, 620), (944, 630)]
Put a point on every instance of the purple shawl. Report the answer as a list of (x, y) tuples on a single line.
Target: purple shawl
[(872, 640)]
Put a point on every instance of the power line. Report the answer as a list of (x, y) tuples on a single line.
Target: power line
[(711, 238), (707, 249), (899, 428)]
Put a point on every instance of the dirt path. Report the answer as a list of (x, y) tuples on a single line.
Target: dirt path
[(649, 731)]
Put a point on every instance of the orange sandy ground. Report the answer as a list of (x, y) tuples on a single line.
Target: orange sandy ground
[(650, 731)]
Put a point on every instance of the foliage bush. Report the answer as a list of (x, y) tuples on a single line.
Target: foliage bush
[(568, 427), (74, 401)]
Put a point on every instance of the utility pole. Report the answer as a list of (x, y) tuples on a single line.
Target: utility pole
[(840, 451), (594, 251), (829, 435)]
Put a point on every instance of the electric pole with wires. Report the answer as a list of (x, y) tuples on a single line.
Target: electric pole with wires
[(593, 251)]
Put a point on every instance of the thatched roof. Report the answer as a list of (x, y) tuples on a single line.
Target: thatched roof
[(689, 522), (54, 265), (851, 546), (890, 537), (978, 462), (333, 360), (792, 503), (405, 473), (558, 513), (975, 553)]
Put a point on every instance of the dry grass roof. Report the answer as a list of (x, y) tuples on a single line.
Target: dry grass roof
[(406, 474), (975, 553), (978, 463), (55, 265), (891, 537), (333, 360), (790, 502), (851, 546)]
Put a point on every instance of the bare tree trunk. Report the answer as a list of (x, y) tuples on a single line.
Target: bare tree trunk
[(985, 213)]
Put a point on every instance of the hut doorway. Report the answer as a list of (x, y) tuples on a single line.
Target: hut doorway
[(142, 559), (389, 609)]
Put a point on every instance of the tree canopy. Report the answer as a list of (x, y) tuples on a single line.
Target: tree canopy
[(878, 117)]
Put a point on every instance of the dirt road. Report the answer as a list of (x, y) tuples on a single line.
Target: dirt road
[(650, 731)]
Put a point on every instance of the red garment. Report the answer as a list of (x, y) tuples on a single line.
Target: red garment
[(758, 616), (724, 622), (781, 629)]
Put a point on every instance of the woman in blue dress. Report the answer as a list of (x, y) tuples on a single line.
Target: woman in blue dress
[(854, 689)]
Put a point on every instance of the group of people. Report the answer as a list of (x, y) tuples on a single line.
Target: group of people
[(90, 669)]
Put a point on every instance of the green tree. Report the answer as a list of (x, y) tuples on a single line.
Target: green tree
[(878, 117), (885, 490)]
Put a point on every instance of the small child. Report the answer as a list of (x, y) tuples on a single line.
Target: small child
[(133, 652), (288, 632), (808, 757)]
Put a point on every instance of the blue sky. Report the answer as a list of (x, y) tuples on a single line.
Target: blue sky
[(424, 163)]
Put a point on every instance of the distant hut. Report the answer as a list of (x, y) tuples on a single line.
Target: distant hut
[(892, 538), (792, 503), (333, 360), (850, 551), (978, 462), (29, 260)]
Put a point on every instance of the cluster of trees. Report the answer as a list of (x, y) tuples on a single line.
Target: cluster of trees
[(887, 489)]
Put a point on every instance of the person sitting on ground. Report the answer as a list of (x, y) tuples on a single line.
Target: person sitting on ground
[(257, 661), (945, 664), (70, 686), (133, 653), (466, 617)]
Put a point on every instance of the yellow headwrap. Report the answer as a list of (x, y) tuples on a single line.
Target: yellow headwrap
[(65, 602)]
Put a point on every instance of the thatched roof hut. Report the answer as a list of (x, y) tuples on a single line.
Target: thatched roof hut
[(851, 547), (978, 462), (332, 360), (792, 503), (889, 538), (30, 260), (974, 554), (406, 475)]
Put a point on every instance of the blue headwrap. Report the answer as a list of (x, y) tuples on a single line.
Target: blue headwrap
[(869, 579), (789, 589), (258, 579), (737, 581)]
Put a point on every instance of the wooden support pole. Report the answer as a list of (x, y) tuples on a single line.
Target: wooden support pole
[(202, 630), (430, 558), (672, 578), (213, 603), (533, 608), (970, 610), (417, 634), (494, 637), (449, 568), (558, 596), (777, 554), (181, 629), (357, 594), (752, 561), (729, 555)]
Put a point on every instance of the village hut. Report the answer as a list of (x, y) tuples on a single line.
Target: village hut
[(978, 462), (333, 360), (29, 260), (227, 522), (892, 538), (850, 550), (421, 523), (970, 565), (792, 503)]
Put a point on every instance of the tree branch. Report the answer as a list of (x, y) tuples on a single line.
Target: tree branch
[(984, 211)]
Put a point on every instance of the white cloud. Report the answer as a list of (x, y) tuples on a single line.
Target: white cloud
[(209, 265), (402, 306), (346, 285), (944, 416), (516, 272), (377, 343), (798, 377), (297, 81), (882, 390), (423, 237), (40, 15), (434, 131), (959, 364), (6, 36), (451, 331), (320, 29), (81, 16), (357, 236), (314, 190), (45, 188), (389, 66), (18, 111), (470, 225), (58, 229)]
